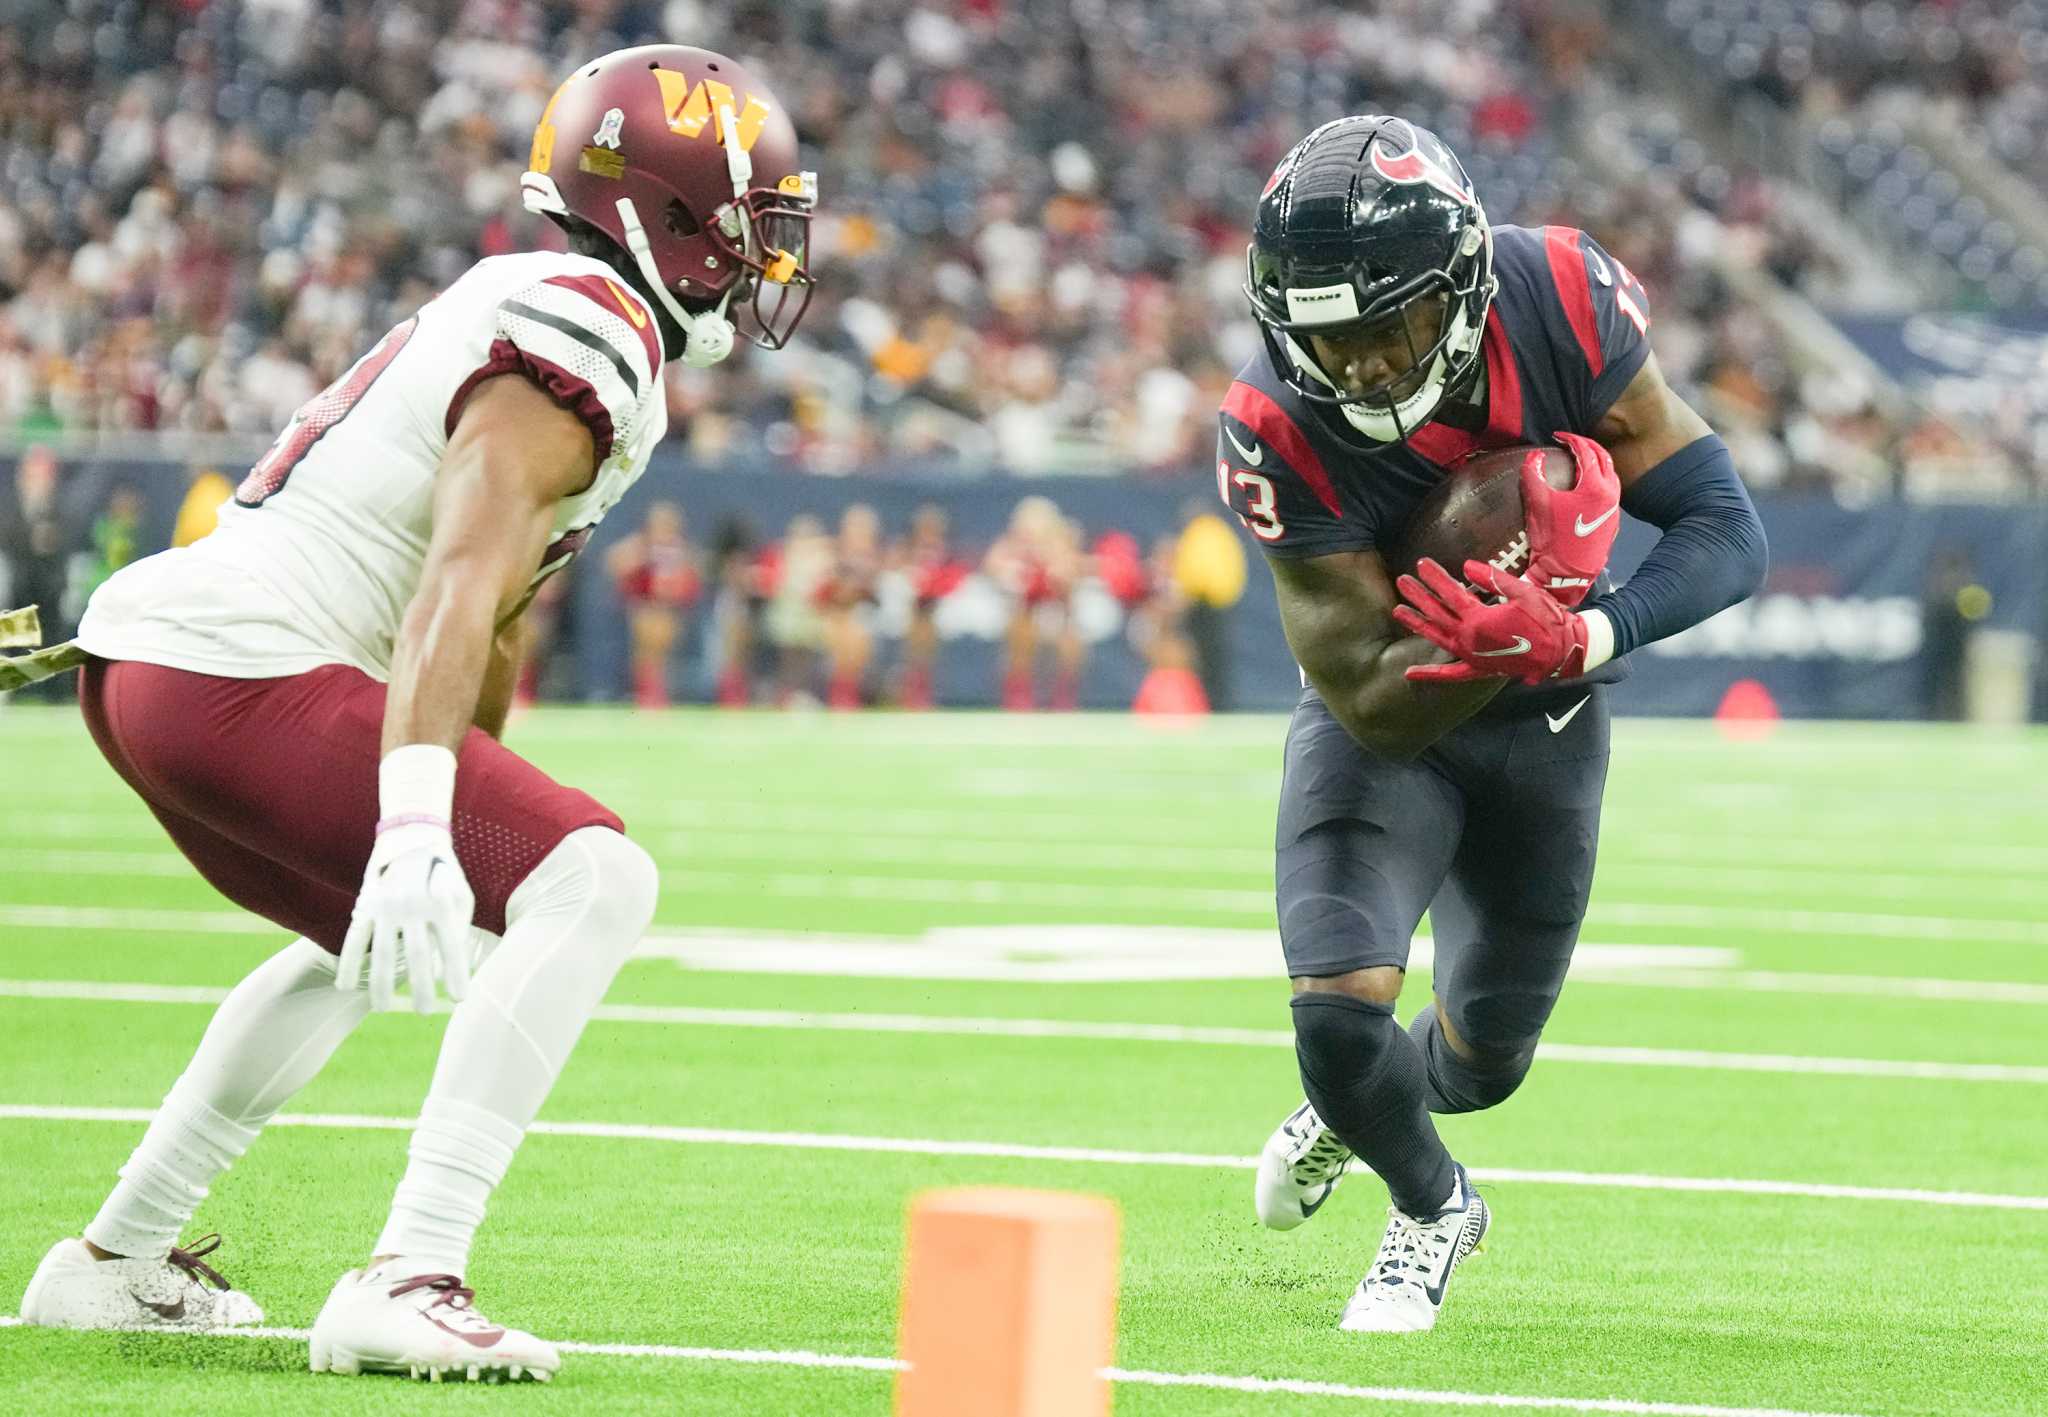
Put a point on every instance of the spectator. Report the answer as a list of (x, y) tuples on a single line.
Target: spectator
[(797, 573), (1208, 570), (739, 598), (659, 580), (846, 599), (934, 571), (35, 544), (1038, 563)]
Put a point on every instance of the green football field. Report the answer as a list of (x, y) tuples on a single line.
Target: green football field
[(1786, 1148)]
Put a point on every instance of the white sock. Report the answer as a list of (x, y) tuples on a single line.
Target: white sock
[(569, 927), (266, 1041)]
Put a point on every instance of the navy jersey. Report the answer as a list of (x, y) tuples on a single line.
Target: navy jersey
[(1567, 330)]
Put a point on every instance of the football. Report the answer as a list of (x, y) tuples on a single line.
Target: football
[(1475, 513)]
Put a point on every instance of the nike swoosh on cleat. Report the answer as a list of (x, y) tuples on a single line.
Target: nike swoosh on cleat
[(1583, 527), (1307, 1210), (1520, 646), (1253, 456), (474, 1340), (1557, 724), (170, 1313), (1436, 1291)]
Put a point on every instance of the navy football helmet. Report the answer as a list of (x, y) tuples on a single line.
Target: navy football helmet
[(1369, 239)]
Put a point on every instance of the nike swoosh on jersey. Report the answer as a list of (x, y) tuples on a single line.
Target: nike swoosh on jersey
[(1557, 724), (1253, 456), (1586, 528), (1520, 646), (632, 310)]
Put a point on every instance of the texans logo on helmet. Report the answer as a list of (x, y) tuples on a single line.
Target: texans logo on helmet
[(1278, 173), (1413, 164)]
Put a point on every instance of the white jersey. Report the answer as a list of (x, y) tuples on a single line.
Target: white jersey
[(319, 553)]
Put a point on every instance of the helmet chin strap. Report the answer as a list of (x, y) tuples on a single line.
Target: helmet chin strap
[(707, 334)]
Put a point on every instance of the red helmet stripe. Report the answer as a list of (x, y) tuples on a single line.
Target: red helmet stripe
[(1270, 422), (1568, 269)]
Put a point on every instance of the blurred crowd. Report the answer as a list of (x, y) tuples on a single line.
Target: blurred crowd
[(847, 615), (1034, 211), (1986, 60), (855, 614)]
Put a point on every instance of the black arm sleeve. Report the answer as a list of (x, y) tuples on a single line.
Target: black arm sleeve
[(1712, 553)]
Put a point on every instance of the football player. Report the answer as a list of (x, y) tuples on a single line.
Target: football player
[(1450, 746), (309, 701)]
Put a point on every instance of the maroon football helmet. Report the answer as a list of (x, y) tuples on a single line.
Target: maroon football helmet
[(690, 164)]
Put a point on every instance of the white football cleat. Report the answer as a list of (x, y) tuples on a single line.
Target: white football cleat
[(386, 1320), (1302, 1163), (1404, 1289), (181, 1292)]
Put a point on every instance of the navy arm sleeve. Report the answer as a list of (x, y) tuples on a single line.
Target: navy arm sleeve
[(1712, 553)]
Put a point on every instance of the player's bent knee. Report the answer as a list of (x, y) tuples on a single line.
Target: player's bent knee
[(1378, 984), (1338, 1038), (1467, 1077), (626, 880), (602, 880)]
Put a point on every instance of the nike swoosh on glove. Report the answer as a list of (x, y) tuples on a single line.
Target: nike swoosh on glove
[(1526, 635), (417, 904), (1571, 533)]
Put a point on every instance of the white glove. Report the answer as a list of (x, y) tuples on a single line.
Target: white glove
[(415, 898)]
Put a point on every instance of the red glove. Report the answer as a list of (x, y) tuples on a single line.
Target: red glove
[(1526, 636), (1571, 533)]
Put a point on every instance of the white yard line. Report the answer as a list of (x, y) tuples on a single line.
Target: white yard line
[(1756, 845), (1882, 986), (1305, 1387), (1818, 922), (1246, 864), (947, 890), (978, 1027), (167, 863), (138, 919), (1100, 1156)]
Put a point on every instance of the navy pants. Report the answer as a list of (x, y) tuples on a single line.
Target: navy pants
[(1492, 831)]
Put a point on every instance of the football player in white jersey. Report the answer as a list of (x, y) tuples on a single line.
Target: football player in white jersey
[(309, 701)]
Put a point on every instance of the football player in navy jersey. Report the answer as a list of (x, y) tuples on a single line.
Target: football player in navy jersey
[(1450, 747)]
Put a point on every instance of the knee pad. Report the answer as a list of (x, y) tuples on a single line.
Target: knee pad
[(1340, 1041), (1461, 1084), (626, 879), (599, 882)]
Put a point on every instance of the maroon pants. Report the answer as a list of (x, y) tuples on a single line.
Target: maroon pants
[(269, 787)]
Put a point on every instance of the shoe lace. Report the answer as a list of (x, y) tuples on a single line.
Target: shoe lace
[(196, 1268), (1405, 1251), (450, 1293), (1326, 1156)]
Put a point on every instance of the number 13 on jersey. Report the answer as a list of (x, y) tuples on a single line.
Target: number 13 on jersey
[(1260, 513)]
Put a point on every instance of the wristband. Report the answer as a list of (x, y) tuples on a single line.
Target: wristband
[(416, 785), (1599, 639)]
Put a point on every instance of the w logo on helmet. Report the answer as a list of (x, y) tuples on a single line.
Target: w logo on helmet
[(691, 111), (1398, 155)]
